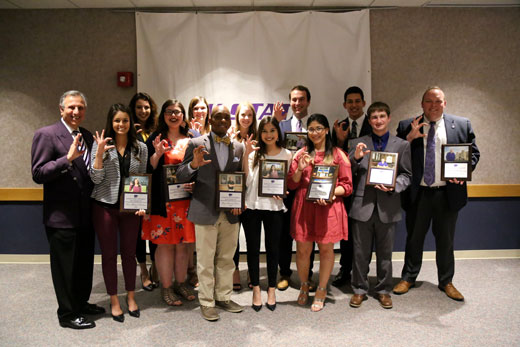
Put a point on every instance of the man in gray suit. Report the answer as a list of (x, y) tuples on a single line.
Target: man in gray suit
[(376, 208), (429, 200), (216, 231)]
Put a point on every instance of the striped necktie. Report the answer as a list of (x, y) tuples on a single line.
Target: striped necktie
[(83, 147)]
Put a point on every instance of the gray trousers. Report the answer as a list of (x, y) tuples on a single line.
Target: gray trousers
[(365, 234)]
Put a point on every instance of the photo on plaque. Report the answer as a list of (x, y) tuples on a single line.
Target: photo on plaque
[(322, 182), (294, 141), (174, 188), (456, 162), (136, 193), (272, 178), (231, 190), (382, 169)]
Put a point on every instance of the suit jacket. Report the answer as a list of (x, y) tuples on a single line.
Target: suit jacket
[(107, 180), (366, 198), (458, 130), (203, 202), (285, 126), (66, 187), (366, 129)]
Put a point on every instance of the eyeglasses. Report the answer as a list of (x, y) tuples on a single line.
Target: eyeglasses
[(170, 112), (317, 130)]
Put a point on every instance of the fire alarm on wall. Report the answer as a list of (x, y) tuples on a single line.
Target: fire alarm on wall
[(125, 79)]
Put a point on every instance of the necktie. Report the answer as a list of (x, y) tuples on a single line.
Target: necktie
[(353, 130), (299, 126), (83, 147), (225, 140), (429, 163)]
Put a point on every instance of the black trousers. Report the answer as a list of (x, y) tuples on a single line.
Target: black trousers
[(346, 248), (72, 266), (286, 242), (252, 222), (431, 208)]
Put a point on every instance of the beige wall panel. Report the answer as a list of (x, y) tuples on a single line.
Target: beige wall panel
[(46, 52), (472, 53)]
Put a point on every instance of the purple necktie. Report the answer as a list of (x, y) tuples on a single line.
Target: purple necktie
[(299, 126), (429, 163)]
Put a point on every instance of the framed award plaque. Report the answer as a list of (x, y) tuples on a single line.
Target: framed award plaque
[(322, 182)]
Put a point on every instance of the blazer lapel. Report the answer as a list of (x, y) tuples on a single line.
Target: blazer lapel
[(64, 136), (451, 131), (210, 146)]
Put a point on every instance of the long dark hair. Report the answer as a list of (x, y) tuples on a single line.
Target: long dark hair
[(149, 125), (109, 128), (252, 127), (162, 127), (263, 148), (321, 119), (192, 104)]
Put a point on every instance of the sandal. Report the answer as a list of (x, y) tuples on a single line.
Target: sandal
[(169, 297), (237, 286), (145, 278), (303, 297), (183, 290), (319, 301)]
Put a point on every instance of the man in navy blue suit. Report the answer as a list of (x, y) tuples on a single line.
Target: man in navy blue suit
[(300, 99), (60, 158), (429, 200)]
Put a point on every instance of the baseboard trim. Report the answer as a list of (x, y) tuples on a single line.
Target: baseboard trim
[(397, 256)]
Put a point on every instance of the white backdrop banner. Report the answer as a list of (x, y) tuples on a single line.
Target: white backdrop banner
[(254, 56)]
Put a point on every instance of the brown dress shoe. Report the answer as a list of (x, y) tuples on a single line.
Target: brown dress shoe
[(452, 292), (385, 300), (357, 299), (403, 287), (209, 313)]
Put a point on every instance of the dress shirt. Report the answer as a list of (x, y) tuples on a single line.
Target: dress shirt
[(294, 122), (440, 139), (221, 150)]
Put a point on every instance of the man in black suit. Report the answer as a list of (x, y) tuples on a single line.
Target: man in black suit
[(60, 157), (352, 127), (429, 200)]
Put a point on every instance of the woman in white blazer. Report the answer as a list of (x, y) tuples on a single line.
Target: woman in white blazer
[(115, 157)]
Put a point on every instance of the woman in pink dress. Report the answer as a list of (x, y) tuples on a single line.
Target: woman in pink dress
[(321, 222), (167, 226)]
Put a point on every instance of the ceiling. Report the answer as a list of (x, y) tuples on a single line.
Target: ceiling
[(237, 5)]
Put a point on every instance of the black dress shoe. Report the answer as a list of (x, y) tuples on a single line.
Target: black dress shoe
[(271, 307), (79, 322), (119, 318), (256, 307), (341, 279), (92, 309)]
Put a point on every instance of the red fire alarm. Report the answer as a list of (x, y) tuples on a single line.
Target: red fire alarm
[(125, 79)]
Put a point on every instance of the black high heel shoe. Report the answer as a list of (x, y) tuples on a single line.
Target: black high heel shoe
[(136, 313), (256, 307), (120, 318), (271, 307)]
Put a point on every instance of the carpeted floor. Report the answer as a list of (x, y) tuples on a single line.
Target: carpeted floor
[(423, 317)]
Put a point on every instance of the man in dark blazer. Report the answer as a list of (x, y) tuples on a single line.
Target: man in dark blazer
[(352, 127), (429, 200), (60, 158), (300, 99), (216, 231), (376, 208)]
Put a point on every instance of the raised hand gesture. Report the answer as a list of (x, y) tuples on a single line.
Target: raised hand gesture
[(278, 111), (341, 134), (361, 150), (416, 129), (198, 157), (104, 143), (250, 145), (160, 146), (74, 151), (304, 161), (196, 125)]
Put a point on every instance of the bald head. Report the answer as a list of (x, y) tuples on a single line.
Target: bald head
[(220, 120)]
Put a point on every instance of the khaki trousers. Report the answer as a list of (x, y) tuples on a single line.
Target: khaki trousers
[(216, 245)]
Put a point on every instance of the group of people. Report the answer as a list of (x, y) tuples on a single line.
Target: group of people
[(83, 177)]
